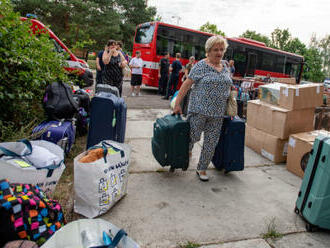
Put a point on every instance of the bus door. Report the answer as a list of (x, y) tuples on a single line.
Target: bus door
[(251, 65)]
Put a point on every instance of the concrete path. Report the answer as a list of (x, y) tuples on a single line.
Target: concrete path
[(164, 209)]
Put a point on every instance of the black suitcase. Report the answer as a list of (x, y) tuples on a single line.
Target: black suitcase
[(170, 142), (229, 153)]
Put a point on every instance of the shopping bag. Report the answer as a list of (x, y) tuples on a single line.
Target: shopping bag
[(37, 162), (232, 104), (89, 233), (99, 184)]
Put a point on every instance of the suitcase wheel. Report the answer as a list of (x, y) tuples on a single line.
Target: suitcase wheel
[(296, 210), (172, 169), (310, 227), (226, 172)]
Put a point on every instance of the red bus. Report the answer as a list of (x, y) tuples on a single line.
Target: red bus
[(75, 67), (252, 58)]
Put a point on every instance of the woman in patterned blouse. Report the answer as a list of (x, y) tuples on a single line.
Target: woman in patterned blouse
[(208, 99)]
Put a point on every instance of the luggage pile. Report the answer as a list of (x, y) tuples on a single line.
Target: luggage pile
[(282, 110), (30, 170)]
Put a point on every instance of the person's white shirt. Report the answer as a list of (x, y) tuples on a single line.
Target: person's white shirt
[(136, 62)]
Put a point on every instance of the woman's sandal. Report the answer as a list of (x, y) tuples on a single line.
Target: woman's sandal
[(202, 177)]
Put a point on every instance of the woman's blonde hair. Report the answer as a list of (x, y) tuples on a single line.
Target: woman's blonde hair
[(216, 39)]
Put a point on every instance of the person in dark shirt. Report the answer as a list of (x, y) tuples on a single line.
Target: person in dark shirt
[(164, 65), (99, 67), (175, 70), (114, 62)]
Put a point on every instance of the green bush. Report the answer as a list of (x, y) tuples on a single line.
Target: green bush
[(28, 63)]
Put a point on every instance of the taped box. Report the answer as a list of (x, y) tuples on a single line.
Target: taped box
[(286, 80), (292, 97), (299, 147), (269, 146), (278, 121)]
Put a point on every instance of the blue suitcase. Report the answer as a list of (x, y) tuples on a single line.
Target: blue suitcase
[(107, 119), (62, 133), (229, 153)]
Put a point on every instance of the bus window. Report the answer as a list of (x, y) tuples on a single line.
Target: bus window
[(144, 34), (267, 62), (229, 54), (279, 67)]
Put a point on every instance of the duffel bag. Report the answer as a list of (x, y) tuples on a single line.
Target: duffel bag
[(26, 213), (100, 177), (37, 162)]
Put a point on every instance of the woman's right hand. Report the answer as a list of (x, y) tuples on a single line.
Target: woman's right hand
[(177, 109)]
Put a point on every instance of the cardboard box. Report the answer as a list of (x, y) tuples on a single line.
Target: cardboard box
[(270, 93), (299, 146), (278, 121), (292, 97), (286, 80), (267, 145), (301, 96)]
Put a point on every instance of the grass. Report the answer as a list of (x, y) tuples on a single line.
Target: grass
[(190, 245), (272, 233)]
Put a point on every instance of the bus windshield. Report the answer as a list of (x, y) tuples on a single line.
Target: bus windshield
[(144, 34)]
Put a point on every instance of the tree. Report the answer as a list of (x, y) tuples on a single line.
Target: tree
[(99, 20), (132, 13), (324, 47), (313, 66), (27, 64), (280, 38), (211, 28), (256, 36)]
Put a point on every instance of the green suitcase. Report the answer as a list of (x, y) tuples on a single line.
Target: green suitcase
[(313, 202), (170, 142)]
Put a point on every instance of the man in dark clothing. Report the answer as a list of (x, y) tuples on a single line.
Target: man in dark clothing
[(99, 67), (164, 65), (175, 69)]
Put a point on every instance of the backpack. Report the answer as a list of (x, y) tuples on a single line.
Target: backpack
[(58, 101), (27, 213)]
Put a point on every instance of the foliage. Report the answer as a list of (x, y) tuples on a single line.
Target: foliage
[(99, 20), (271, 230), (27, 64), (133, 12), (83, 44), (256, 36), (211, 28), (323, 46), (280, 39)]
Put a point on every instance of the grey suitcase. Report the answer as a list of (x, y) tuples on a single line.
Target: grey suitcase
[(106, 88)]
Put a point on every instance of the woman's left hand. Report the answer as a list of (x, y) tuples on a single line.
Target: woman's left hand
[(177, 109)]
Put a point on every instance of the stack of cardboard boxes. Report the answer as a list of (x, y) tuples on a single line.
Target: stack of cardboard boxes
[(281, 111)]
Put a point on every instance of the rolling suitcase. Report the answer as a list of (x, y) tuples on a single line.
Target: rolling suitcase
[(229, 152), (62, 133), (170, 142), (107, 88), (107, 119), (314, 196)]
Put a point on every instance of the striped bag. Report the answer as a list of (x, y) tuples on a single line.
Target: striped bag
[(27, 213)]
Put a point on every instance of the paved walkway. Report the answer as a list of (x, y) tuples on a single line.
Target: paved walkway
[(167, 210)]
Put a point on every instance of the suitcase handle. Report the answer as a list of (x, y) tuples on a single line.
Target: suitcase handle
[(178, 116)]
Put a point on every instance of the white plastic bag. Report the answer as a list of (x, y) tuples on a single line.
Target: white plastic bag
[(86, 233), (37, 162), (100, 184)]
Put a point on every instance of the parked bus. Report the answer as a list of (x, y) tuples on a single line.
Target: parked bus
[(75, 66), (252, 58)]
